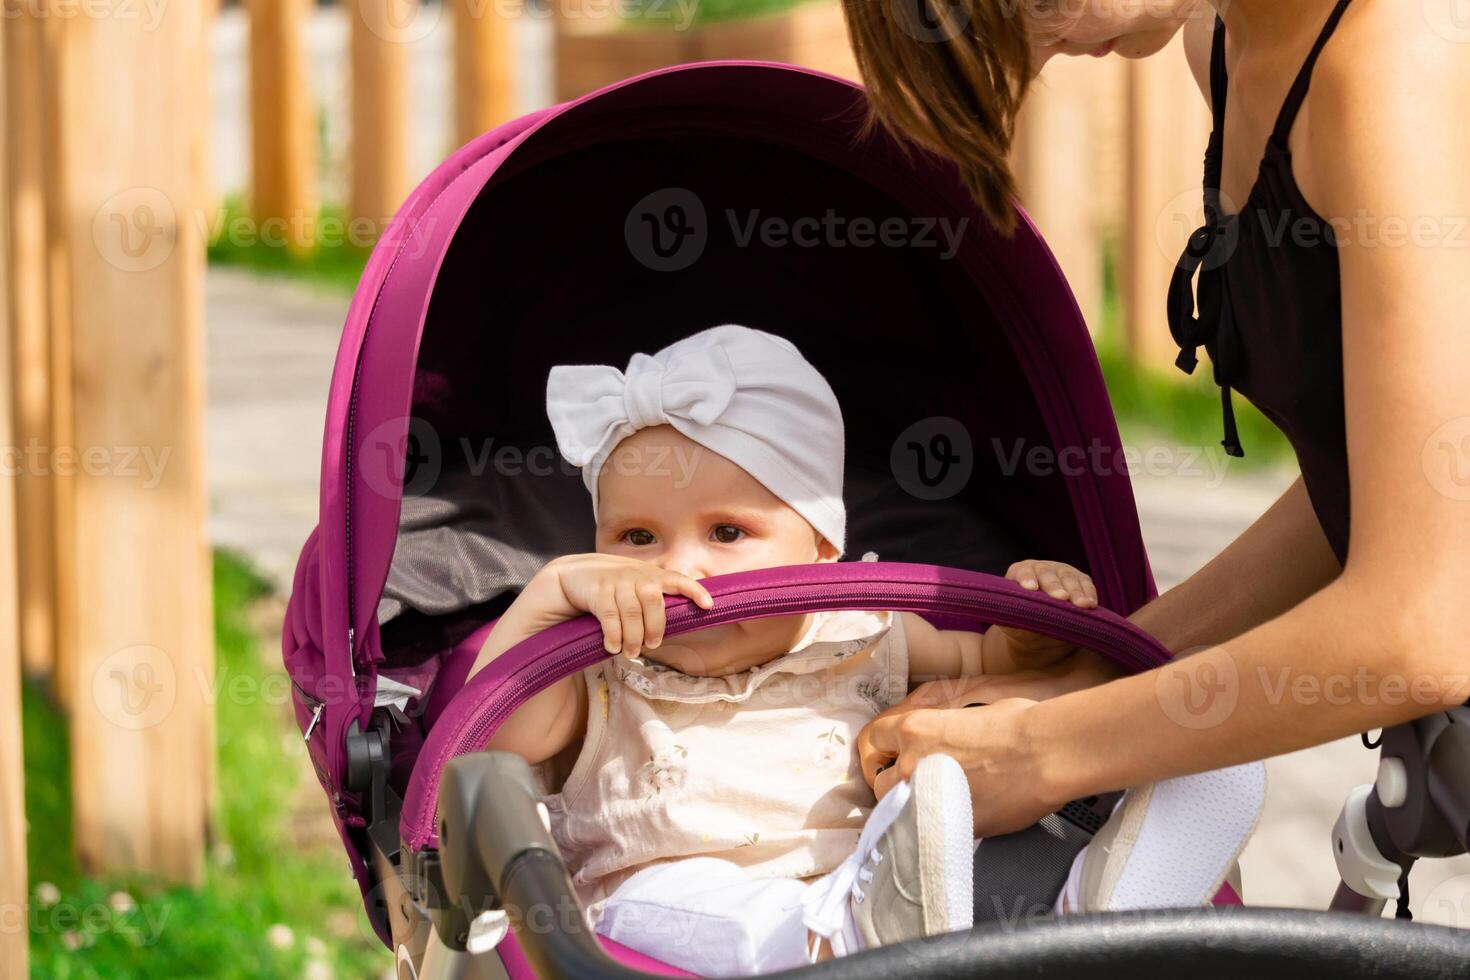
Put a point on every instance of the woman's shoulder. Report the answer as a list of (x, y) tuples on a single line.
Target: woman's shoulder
[(1377, 51), (1387, 97)]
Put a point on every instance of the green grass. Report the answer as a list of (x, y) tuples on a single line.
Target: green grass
[(1154, 409), (256, 875), (336, 263), (681, 14)]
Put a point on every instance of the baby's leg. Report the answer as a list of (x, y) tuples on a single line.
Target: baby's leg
[(709, 917), (1168, 845)]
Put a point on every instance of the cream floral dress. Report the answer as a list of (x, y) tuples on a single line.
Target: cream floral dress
[(758, 768)]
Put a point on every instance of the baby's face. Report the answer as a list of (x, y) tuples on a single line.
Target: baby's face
[(669, 501)]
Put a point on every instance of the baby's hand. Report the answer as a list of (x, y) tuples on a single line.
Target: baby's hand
[(1057, 579), (625, 594)]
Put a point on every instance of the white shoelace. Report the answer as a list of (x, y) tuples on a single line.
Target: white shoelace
[(826, 910)]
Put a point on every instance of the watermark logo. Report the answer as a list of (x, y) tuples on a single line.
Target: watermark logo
[(1181, 234), (148, 14), (1101, 458), (1446, 458), (1450, 19), (1448, 903), (135, 687), (145, 464), (930, 21), (834, 230), (667, 230), (78, 925), (135, 230), (401, 459), (934, 458), (399, 21), (1199, 691)]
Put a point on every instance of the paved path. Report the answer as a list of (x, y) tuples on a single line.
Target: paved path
[(270, 349)]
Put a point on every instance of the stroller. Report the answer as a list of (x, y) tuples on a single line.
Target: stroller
[(711, 193)]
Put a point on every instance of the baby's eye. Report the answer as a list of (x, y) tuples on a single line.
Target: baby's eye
[(727, 533), (638, 536)]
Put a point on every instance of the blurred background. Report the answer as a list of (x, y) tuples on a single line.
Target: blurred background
[(189, 190)]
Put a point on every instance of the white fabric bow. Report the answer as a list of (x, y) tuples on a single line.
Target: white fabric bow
[(598, 402), (746, 395)]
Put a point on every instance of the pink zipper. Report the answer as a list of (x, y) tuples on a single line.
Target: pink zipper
[(538, 661)]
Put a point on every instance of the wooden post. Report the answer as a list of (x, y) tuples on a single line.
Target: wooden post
[(14, 922), (484, 67), (1169, 127), (379, 108), (1058, 156), (58, 310), (283, 125), (141, 720), (29, 344)]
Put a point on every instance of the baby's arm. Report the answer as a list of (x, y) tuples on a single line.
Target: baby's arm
[(625, 594), (553, 719), (936, 654)]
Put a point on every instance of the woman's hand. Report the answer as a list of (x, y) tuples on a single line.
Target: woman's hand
[(990, 743), (888, 747), (625, 594)]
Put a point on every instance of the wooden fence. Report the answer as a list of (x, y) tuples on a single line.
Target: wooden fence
[(104, 170), (104, 566), (1108, 152), (14, 922)]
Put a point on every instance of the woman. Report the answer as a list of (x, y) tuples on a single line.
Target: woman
[(1335, 301)]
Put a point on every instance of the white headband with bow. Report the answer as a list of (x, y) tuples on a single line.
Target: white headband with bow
[(743, 393)]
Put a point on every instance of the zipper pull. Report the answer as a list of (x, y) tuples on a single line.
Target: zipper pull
[(316, 716), (352, 651)]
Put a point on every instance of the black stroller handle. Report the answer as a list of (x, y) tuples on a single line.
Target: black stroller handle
[(494, 837)]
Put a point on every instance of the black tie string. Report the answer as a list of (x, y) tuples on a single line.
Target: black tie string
[(1214, 326)]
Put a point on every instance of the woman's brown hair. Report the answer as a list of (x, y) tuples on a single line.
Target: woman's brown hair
[(949, 75)]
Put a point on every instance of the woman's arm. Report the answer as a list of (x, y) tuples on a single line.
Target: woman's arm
[(1385, 641)]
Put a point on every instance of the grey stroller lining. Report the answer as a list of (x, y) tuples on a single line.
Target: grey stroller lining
[(479, 531)]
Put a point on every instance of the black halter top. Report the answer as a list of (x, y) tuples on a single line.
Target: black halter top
[(1269, 306)]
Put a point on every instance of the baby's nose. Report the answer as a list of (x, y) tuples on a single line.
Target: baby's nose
[(683, 563)]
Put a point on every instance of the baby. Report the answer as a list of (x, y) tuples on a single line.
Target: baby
[(715, 815)]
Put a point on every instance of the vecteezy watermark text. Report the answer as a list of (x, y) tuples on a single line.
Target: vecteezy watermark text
[(668, 229), (148, 13), (1105, 459), (833, 230), (145, 463)]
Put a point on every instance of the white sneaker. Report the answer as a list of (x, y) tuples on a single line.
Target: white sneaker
[(913, 872), (1170, 844)]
